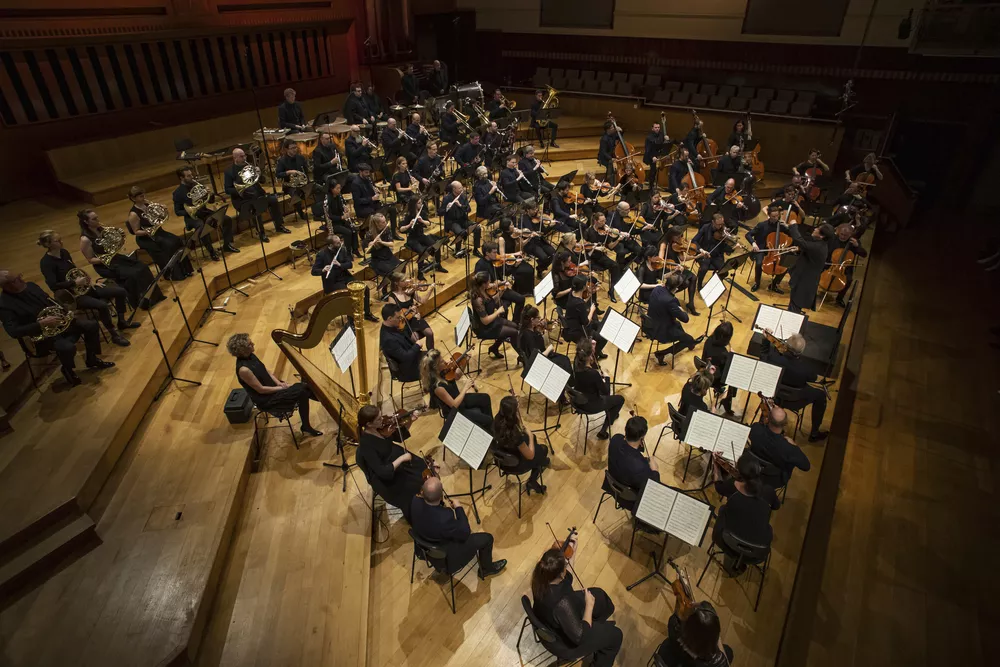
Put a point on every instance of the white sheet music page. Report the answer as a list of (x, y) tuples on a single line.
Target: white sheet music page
[(703, 430), (612, 323), (462, 328), (712, 290), (739, 372), (554, 384), (627, 286), (345, 350), (458, 433), (732, 440), (765, 379), (655, 504), (688, 519), (768, 317), (544, 288), (540, 368), (621, 332), (476, 447), (789, 324)]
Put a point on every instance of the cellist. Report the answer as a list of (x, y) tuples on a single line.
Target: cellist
[(844, 239), (868, 166), (812, 162), (679, 169), (758, 238)]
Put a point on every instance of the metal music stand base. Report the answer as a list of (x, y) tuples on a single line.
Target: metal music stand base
[(545, 424), (343, 465), (163, 351), (657, 564), (472, 493), (187, 323), (436, 306), (614, 375)]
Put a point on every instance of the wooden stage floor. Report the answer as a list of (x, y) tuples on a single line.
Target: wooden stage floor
[(273, 568)]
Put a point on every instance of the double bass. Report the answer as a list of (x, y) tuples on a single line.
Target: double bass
[(629, 167), (753, 156)]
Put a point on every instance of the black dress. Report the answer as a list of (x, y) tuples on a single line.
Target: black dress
[(417, 324), (483, 308), (128, 272), (279, 401), (477, 408), (535, 465), (383, 261), (675, 655), (561, 609), (161, 246), (397, 486), (532, 342)]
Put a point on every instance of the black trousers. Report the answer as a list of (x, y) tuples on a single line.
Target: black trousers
[(536, 465), (601, 262), (461, 232), (459, 553), (758, 271), (626, 251), (349, 236), (478, 408), (605, 638), (298, 395), (541, 250), (610, 175), (713, 263), (99, 297), (517, 300), (810, 396), (64, 345), (420, 244), (613, 405), (273, 208), (685, 340)]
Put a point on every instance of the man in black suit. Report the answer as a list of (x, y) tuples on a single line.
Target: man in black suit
[(779, 453), (326, 161), (513, 183), (538, 116), (290, 114), (438, 79), (399, 345), (626, 462), (333, 265), (805, 273), (534, 171), (606, 151), (242, 195), (197, 221), (410, 86), (758, 237), (664, 317), (712, 252), (358, 149), (355, 110), (290, 165), (448, 132), (20, 304), (448, 525), (456, 210), (796, 374), (496, 106)]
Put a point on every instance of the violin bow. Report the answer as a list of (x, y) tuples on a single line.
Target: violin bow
[(569, 562)]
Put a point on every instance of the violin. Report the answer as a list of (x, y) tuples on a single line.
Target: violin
[(583, 247), (422, 286), (657, 263), (682, 590), (494, 289), (386, 425), (573, 270), (506, 260), (567, 546), (452, 369), (574, 198), (431, 471), (767, 404), (777, 343)]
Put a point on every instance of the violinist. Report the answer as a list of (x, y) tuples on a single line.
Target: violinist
[(562, 279), (487, 196), (579, 316), (579, 617), (408, 298), (592, 189), (682, 167), (533, 170), (490, 317), (844, 239), (716, 353), (664, 318), (417, 238), (595, 387), (399, 343), (564, 220), (628, 463), (746, 512), (520, 444), (456, 218), (600, 235), (520, 275), (780, 454), (758, 238), (444, 521), (868, 166), (537, 246), (606, 151), (537, 107), (677, 256), (696, 640), (712, 247), (694, 391), (394, 473), (514, 183), (805, 273), (445, 395), (627, 248), (335, 209), (379, 245), (656, 145), (812, 162), (533, 340), (728, 201), (358, 149), (797, 374), (659, 214), (650, 272)]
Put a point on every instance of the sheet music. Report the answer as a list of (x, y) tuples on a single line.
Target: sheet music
[(538, 371), (732, 440), (688, 519), (344, 349), (554, 384), (789, 324), (462, 328), (544, 288), (619, 331), (765, 379), (476, 447), (458, 433), (712, 290), (703, 430), (612, 323), (739, 372), (627, 286), (768, 317), (655, 505)]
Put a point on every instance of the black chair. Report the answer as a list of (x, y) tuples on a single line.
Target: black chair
[(394, 377), (749, 556), (561, 319), (620, 493), (769, 471), (677, 426), (578, 403), (430, 551), (508, 466), (30, 349), (475, 327), (784, 396), (565, 655), (656, 661), (654, 345), (282, 415)]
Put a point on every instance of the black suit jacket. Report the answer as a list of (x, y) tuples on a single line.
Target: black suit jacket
[(664, 315), (18, 313)]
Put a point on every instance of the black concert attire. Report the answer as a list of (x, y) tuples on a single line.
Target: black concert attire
[(19, 315), (255, 191), (531, 343), (374, 105), (730, 210), (674, 654), (592, 195), (654, 146), (718, 356), (663, 321), (341, 226), (653, 236), (691, 402), (578, 324), (535, 465), (678, 170), (363, 197), (692, 141), (647, 276), (596, 391), (339, 276), (536, 115), (129, 272), (197, 221), (456, 220), (449, 527), (747, 517), (834, 243), (410, 87), (357, 152), (419, 139), (796, 375), (431, 168), (393, 145), (806, 165), (383, 259), (403, 180), (324, 159), (606, 156), (487, 202), (627, 249), (690, 280), (628, 466), (295, 395), (476, 407), (759, 235), (516, 187), (54, 269), (561, 608), (417, 325), (286, 164), (774, 449), (499, 330), (398, 345), (290, 116), (717, 250), (161, 247), (599, 261), (561, 215), (859, 169), (732, 167), (561, 283), (448, 131), (356, 111), (496, 110), (522, 278), (537, 247), (533, 172), (419, 241), (737, 139), (806, 271), (438, 80), (397, 486), (468, 156)]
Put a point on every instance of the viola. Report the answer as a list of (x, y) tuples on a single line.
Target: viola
[(452, 369), (431, 471), (574, 198), (572, 270), (386, 425), (508, 260), (567, 546), (656, 263), (583, 247), (767, 404)]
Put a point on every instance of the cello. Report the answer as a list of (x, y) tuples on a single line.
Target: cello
[(777, 244), (629, 167), (812, 175), (834, 278)]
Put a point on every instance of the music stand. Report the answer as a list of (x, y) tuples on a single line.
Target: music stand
[(205, 231), (216, 220), (732, 265), (178, 256), (256, 207), (432, 249), (550, 114)]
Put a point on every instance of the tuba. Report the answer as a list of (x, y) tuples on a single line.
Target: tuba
[(249, 174), (551, 101), (112, 240), (65, 316), (157, 214), (199, 196)]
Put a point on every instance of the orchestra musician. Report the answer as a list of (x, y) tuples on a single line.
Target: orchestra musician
[(789, 195), (333, 264), (599, 233), (520, 444), (533, 340), (399, 343), (779, 453), (797, 374), (290, 164), (579, 316), (265, 390), (197, 221), (533, 170), (595, 388), (492, 143), (591, 191), (444, 394), (418, 134), (806, 271), (868, 166), (373, 104), (160, 244), (339, 223), (680, 168), (491, 317), (326, 159), (469, 156), (694, 391), (627, 463), (692, 140), (129, 272), (658, 214), (456, 219), (410, 92), (379, 244), (358, 149), (606, 151), (538, 247), (845, 238), (649, 277), (395, 142), (673, 238), (438, 78), (408, 298), (732, 165), (487, 196), (811, 162), (445, 522), (20, 304), (564, 220), (57, 262), (430, 166), (656, 145), (394, 473), (521, 275), (367, 201), (496, 106), (536, 111), (712, 247), (758, 237), (695, 641), (448, 129), (290, 114), (417, 238), (404, 185), (241, 196), (729, 203), (513, 183), (664, 319), (355, 110), (739, 137), (716, 353), (581, 618), (746, 513), (627, 248)]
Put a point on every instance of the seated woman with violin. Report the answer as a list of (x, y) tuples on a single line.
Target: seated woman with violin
[(694, 637), (595, 389), (533, 340), (716, 354), (627, 462), (417, 238), (650, 273), (694, 391), (489, 322), (678, 252), (517, 448), (393, 472), (564, 219), (591, 190), (657, 215), (604, 239), (379, 244), (533, 231), (747, 510), (509, 268), (406, 294), (439, 378), (579, 314), (581, 618), (563, 275)]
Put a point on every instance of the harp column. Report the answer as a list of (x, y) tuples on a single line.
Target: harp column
[(357, 291)]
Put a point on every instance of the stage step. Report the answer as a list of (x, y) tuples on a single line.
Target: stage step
[(35, 557)]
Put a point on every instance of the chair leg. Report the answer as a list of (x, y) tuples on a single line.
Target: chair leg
[(632, 541), (763, 574), (452, 577), (649, 353), (413, 564), (711, 555), (657, 445), (518, 496), (601, 502), (524, 625), (292, 431)]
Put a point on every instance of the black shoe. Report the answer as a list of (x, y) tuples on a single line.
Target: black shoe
[(123, 324), (308, 430), (214, 256), (370, 317), (71, 377), (755, 287), (264, 238), (841, 303), (696, 341), (229, 247), (119, 340), (553, 144), (365, 261), (603, 434), (283, 230), (817, 436), (477, 254), (440, 269), (496, 567), (99, 364), (459, 253), (690, 309), (532, 485), (495, 353), (775, 289), (660, 358), (611, 296), (602, 355)]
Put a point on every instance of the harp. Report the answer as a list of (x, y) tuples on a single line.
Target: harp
[(306, 352)]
